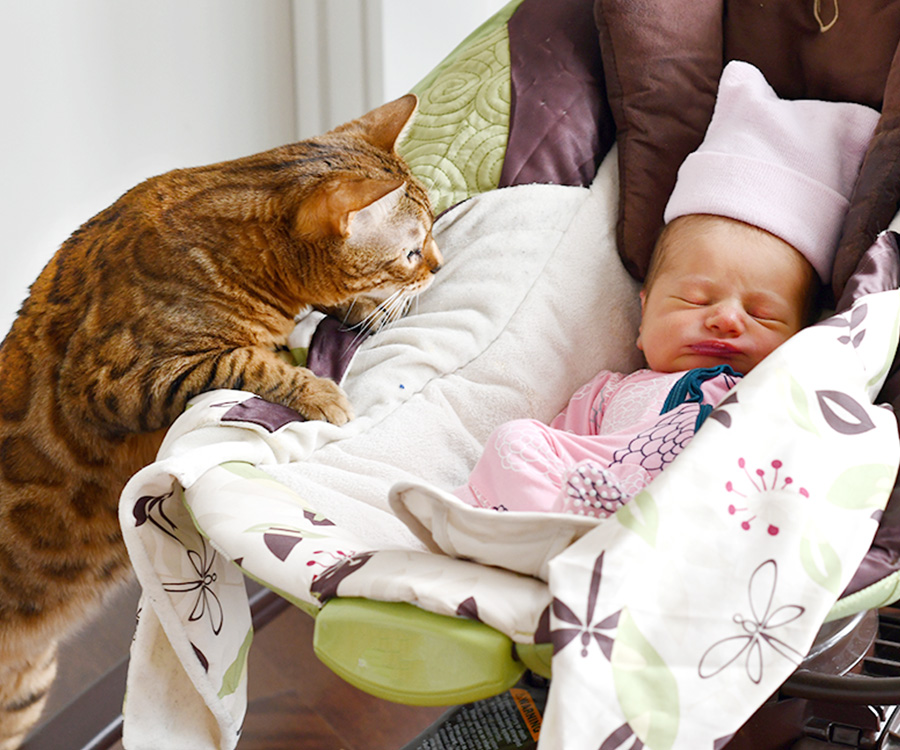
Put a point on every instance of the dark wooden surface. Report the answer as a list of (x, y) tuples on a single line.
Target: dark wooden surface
[(295, 701)]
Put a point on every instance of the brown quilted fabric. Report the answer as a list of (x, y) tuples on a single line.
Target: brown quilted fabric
[(662, 60), (560, 124)]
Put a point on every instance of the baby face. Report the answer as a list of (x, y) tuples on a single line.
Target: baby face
[(725, 294)]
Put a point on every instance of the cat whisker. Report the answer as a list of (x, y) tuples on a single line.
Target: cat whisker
[(397, 308), (394, 307), (392, 304), (371, 322), (361, 334), (348, 312), (407, 305)]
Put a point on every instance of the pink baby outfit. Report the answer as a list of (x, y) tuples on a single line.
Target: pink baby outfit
[(616, 434)]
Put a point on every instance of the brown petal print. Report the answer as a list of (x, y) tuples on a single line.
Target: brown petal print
[(860, 422)]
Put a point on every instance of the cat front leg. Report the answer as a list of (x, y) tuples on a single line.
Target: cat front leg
[(260, 371), (154, 392)]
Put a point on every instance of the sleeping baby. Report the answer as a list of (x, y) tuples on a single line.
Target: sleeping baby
[(752, 226)]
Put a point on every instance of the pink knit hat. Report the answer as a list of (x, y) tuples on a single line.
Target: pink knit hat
[(786, 166)]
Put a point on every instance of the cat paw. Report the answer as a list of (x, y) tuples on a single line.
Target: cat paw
[(322, 399)]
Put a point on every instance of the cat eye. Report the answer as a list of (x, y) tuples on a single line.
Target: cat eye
[(414, 253)]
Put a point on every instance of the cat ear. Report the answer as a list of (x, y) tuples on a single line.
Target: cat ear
[(383, 126), (332, 207)]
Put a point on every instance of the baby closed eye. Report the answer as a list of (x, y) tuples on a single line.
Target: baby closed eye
[(766, 316), (693, 300)]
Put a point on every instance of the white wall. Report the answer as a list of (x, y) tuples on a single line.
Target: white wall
[(338, 61), (352, 55), (100, 94), (418, 34)]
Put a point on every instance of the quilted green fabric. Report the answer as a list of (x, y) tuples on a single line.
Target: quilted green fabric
[(457, 141)]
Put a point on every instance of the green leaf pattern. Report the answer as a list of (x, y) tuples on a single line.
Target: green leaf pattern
[(863, 486), (820, 559), (640, 516), (238, 669), (796, 401), (645, 686)]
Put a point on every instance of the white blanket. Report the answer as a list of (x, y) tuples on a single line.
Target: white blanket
[(531, 303)]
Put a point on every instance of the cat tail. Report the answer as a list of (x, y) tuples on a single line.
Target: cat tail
[(24, 686)]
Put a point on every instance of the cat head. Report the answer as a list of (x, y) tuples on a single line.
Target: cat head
[(374, 218), (337, 221)]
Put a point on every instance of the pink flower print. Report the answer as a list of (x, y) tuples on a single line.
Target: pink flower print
[(331, 558), (327, 560), (756, 483)]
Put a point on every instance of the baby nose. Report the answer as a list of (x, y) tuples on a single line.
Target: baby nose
[(725, 318)]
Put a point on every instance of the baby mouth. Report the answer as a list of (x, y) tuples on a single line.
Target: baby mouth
[(715, 348)]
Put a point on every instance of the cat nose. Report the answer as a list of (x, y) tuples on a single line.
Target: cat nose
[(433, 257)]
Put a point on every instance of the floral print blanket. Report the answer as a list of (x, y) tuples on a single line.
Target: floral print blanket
[(671, 621), (684, 611)]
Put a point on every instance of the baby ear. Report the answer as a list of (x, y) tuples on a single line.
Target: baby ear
[(330, 210)]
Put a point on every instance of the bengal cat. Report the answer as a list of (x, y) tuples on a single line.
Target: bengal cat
[(188, 283)]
